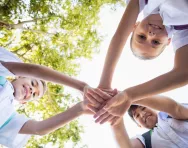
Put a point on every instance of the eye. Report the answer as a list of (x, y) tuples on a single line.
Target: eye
[(137, 115), (32, 83), (155, 42), (143, 108), (34, 94), (142, 37)]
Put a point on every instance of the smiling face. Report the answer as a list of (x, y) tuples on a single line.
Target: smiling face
[(149, 37), (26, 89), (145, 117)]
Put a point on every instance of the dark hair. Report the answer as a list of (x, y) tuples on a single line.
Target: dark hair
[(130, 111), (142, 57)]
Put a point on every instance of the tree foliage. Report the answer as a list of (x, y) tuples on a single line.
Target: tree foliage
[(55, 33)]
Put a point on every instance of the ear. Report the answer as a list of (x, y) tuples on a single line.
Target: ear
[(135, 26), (169, 40), (139, 126)]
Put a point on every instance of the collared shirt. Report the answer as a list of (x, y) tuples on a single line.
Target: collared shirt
[(10, 121), (173, 13), (169, 133)]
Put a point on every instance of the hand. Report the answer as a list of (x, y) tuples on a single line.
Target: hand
[(110, 91), (85, 109), (105, 117), (95, 101), (117, 106), (95, 96)]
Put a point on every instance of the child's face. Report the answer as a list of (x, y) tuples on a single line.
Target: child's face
[(149, 37), (145, 117), (26, 89)]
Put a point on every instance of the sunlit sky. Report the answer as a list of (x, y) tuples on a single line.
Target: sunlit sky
[(130, 71)]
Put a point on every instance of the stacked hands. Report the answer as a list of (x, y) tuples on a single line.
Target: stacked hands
[(107, 105)]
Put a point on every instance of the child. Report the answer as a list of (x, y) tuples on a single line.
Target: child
[(165, 130), (163, 18), (14, 128)]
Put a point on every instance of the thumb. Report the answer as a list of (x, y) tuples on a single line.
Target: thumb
[(115, 92)]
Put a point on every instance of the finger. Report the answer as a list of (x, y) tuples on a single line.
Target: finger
[(102, 117), (96, 96), (108, 91), (103, 94), (115, 92), (92, 100), (92, 108), (102, 105), (110, 117), (99, 113)]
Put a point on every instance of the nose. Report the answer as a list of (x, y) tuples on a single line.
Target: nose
[(151, 33), (33, 90), (142, 114)]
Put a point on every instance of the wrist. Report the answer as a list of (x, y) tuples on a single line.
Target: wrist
[(127, 94), (83, 86), (80, 108)]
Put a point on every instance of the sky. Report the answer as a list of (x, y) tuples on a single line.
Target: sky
[(130, 71)]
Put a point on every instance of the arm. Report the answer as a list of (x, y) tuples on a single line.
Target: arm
[(49, 125), (176, 78), (44, 73), (122, 138), (165, 104), (118, 41)]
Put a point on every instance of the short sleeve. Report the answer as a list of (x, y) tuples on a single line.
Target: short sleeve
[(180, 39), (7, 56), (141, 138), (9, 134)]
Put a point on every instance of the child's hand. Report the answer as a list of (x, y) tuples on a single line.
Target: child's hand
[(116, 106), (95, 96)]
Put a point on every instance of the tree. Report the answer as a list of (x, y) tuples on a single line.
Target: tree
[(55, 33)]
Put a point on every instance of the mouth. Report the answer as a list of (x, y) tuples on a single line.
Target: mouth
[(155, 26), (147, 118), (25, 91)]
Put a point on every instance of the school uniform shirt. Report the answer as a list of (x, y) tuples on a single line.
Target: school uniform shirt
[(168, 133), (7, 56), (174, 14), (10, 121)]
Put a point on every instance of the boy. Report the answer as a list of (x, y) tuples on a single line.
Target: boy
[(163, 18), (165, 130), (14, 128)]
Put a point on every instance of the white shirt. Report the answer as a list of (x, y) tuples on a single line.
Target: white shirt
[(169, 133), (9, 134), (7, 56), (173, 12)]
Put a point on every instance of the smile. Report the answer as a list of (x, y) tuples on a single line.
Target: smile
[(155, 26), (147, 118), (25, 92)]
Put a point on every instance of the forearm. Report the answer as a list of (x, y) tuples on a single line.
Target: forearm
[(165, 104), (44, 73), (121, 135), (53, 123), (118, 41), (169, 81)]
